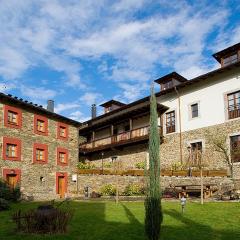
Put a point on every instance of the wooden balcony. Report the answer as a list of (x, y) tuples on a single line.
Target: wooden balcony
[(234, 112), (121, 139)]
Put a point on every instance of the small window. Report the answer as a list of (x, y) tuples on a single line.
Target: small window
[(11, 150), (12, 117), (40, 153), (62, 156), (230, 59), (194, 110), (233, 105), (62, 131), (170, 122), (235, 148), (40, 125)]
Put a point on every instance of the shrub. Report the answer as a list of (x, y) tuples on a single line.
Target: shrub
[(45, 219), (108, 165), (4, 204), (140, 165), (108, 190), (82, 165), (133, 189), (8, 193)]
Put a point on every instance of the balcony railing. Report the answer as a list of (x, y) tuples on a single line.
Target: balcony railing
[(138, 133), (234, 111)]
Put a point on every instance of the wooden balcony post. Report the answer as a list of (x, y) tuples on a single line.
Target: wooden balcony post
[(111, 132), (130, 126), (93, 138)]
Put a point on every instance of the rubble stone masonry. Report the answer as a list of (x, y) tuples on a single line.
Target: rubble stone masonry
[(38, 181)]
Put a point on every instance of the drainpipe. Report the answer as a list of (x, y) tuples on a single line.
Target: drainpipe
[(180, 125)]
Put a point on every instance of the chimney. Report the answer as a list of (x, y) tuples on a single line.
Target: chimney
[(50, 105), (94, 111)]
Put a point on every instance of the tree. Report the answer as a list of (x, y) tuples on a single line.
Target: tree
[(221, 145), (153, 209)]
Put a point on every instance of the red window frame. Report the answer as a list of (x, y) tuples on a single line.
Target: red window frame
[(14, 141), (65, 151), (8, 171), (18, 111), (43, 147), (45, 120), (62, 174), (59, 125)]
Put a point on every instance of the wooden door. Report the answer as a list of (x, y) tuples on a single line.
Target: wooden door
[(12, 180), (61, 186)]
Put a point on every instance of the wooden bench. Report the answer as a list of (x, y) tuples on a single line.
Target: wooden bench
[(187, 189)]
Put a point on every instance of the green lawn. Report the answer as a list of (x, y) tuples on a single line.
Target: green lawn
[(108, 221)]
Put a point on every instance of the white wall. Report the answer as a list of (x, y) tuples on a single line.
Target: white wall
[(209, 94)]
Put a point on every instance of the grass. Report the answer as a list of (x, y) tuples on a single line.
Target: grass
[(108, 221)]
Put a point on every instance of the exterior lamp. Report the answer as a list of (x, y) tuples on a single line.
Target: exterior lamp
[(114, 158), (12, 171), (183, 202)]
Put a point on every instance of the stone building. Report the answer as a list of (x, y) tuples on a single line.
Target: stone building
[(193, 113), (39, 148)]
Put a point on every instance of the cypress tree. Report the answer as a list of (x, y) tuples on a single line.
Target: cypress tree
[(153, 210)]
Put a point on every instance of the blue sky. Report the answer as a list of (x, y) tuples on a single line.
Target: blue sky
[(84, 52)]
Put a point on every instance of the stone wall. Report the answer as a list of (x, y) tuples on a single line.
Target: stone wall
[(170, 149), (31, 185), (95, 182)]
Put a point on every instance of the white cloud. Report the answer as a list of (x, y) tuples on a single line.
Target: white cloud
[(38, 93), (78, 116), (61, 107), (90, 98)]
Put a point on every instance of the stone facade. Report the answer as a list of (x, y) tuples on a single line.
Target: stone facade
[(38, 181), (95, 182), (170, 149)]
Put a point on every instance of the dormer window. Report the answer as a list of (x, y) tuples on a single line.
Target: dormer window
[(229, 60), (228, 55), (112, 105), (171, 80)]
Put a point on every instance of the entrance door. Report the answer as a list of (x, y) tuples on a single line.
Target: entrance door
[(61, 186), (11, 180)]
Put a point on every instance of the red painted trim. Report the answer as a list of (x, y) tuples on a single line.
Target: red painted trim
[(59, 124), (45, 120), (43, 147), (7, 171), (62, 150), (19, 114), (62, 174), (18, 142)]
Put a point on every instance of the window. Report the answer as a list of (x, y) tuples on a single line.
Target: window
[(194, 110), (235, 148), (233, 105), (11, 149), (62, 156), (170, 122), (196, 153), (40, 125), (12, 117), (40, 153), (167, 85), (230, 59), (62, 131)]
